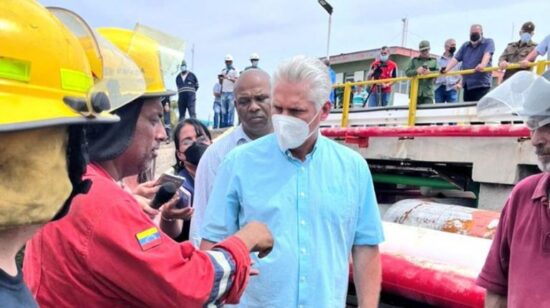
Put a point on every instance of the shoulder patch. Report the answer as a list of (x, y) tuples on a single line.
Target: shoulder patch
[(149, 238)]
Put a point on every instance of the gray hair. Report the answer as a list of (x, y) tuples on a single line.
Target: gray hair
[(477, 26), (448, 42), (305, 69)]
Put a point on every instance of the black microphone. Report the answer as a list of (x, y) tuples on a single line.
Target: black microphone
[(165, 193)]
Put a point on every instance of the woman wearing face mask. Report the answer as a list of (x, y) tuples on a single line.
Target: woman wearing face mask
[(517, 51), (191, 139)]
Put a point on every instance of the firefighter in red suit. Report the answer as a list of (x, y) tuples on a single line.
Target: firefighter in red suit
[(107, 252)]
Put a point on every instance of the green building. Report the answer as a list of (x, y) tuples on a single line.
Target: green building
[(354, 66)]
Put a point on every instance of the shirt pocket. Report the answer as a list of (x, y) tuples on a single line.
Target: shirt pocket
[(337, 207), (523, 53)]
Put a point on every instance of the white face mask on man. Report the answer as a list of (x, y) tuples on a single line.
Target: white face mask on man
[(291, 132)]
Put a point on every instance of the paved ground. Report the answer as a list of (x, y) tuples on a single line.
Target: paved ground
[(165, 158)]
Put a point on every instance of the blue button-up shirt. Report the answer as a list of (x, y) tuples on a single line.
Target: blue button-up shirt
[(316, 210), (448, 81), (471, 56)]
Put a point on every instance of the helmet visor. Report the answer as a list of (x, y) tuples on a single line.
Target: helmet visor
[(524, 94), (169, 49), (115, 74)]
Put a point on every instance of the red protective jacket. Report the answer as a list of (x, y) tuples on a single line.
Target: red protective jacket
[(387, 70), (106, 253)]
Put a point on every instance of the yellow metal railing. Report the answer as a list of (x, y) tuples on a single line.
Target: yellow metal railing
[(540, 67)]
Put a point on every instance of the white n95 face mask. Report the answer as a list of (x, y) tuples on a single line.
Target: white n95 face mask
[(291, 132)]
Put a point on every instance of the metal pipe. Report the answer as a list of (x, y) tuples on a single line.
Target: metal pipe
[(465, 253), (431, 266), (429, 283), (444, 217), (520, 131), (345, 104), (412, 181), (413, 99)]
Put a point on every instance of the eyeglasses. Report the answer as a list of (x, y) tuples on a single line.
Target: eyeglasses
[(188, 141)]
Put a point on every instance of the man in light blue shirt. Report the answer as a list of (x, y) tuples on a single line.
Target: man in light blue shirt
[(542, 49), (315, 195)]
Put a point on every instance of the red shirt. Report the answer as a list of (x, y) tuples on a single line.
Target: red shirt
[(389, 70), (519, 260), (98, 256)]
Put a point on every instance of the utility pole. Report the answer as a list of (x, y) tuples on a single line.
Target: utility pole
[(329, 10), (405, 31), (193, 57)]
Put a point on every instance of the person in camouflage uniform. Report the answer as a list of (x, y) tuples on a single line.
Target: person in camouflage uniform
[(423, 65), (517, 51)]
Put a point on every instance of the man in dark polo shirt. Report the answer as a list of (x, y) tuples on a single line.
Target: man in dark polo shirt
[(475, 54), (516, 272)]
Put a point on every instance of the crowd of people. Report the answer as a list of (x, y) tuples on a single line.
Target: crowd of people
[(257, 221), (188, 84), (477, 54)]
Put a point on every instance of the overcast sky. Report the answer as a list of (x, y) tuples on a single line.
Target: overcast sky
[(277, 30)]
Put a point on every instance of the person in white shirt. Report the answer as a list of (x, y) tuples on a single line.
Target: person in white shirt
[(217, 91), (230, 76), (253, 104)]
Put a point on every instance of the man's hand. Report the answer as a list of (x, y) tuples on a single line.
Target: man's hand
[(420, 71), (256, 237), (503, 65), (480, 67), (147, 189), (524, 63), (493, 300), (457, 86)]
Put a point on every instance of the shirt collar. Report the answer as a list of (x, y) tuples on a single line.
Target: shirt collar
[(94, 167), (240, 136), (481, 42), (541, 191), (521, 43), (309, 156)]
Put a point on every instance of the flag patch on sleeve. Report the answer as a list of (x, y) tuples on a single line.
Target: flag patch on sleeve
[(149, 238)]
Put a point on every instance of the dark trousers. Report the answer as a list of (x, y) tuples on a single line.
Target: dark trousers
[(423, 100), (474, 95), (167, 124), (186, 102)]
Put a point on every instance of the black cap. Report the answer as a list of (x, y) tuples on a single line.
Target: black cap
[(528, 27)]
